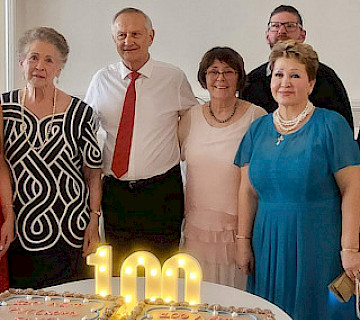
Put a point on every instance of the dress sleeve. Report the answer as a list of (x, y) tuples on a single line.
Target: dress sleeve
[(88, 143), (244, 153), (343, 150)]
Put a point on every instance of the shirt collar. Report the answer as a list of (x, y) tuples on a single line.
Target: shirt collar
[(145, 70), (268, 70)]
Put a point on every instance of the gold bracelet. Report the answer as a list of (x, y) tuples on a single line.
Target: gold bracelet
[(349, 249), (240, 237), (98, 212)]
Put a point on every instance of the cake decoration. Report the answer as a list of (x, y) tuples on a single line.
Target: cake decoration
[(18, 304), (160, 310)]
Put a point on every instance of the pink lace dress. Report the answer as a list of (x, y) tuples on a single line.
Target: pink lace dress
[(212, 183)]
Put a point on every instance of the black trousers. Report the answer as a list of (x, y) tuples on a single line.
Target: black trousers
[(143, 215)]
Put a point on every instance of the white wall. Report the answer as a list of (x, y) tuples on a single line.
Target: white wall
[(2, 48), (185, 29)]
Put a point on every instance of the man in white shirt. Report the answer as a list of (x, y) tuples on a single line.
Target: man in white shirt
[(143, 208)]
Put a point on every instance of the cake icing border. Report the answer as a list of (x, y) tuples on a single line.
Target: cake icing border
[(109, 311), (139, 308)]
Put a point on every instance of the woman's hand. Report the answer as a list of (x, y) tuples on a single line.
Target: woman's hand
[(91, 237), (351, 263), (6, 234), (244, 255)]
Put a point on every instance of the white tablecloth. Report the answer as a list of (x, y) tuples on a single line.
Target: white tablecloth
[(210, 293)]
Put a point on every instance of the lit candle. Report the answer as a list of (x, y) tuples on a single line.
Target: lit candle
[(102, 261), (128, 276), (193, 278)]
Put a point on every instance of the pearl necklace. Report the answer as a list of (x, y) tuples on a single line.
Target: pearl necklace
[(225, 120), (23, 125), (290, 125)]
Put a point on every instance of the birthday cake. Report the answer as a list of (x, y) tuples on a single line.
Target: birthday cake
[(29, 304), (159, 310), (19, 304)]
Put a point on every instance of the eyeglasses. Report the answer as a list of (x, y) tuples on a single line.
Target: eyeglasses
[(227, 74), (289, 26)]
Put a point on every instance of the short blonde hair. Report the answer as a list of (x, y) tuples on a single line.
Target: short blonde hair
[(302, 52)]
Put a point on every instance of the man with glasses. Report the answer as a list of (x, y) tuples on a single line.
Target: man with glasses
[(286, 23)]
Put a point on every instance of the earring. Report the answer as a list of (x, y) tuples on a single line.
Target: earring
[(57, 80)]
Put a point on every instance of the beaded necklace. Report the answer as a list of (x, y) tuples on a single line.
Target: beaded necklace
[(290, 125), (226, 119)]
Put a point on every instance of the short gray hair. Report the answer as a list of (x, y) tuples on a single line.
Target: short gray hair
[(148, 23), (44, 34)]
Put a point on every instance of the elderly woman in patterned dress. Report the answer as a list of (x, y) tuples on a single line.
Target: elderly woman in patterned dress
[(55, 162)]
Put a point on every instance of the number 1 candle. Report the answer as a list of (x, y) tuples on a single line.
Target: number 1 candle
[(102, 260)]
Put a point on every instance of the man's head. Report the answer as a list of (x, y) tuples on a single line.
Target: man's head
[(285, 23), (133, 34)]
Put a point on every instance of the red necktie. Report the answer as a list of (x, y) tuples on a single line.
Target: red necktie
[(120, 162)]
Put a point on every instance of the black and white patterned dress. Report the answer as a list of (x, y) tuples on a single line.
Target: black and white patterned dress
[(51, 197)]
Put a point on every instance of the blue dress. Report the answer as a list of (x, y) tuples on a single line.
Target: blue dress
[(297, 228)]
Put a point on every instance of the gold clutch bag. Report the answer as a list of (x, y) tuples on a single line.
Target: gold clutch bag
[(342, 287)]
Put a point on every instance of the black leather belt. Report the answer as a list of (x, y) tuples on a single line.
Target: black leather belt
[(136, 184)]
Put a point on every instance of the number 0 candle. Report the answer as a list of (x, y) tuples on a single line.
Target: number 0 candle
[(193, 278), (128, 276)]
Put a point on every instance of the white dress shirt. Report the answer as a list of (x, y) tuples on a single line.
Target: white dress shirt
[(162, 94)]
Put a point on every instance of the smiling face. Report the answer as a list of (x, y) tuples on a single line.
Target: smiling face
[(132, 39), (41, 63), (290, 84), (224, 84), (281, 35)]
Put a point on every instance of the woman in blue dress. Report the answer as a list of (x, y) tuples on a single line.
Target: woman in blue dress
[(299, 198)]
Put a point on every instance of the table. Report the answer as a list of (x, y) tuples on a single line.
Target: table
[(210, 293)]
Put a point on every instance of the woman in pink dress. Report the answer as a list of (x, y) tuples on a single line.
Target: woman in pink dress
[(210, 135), (6, 213)]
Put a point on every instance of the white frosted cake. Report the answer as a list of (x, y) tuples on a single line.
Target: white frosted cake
[(158, 310), (18, 304)]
